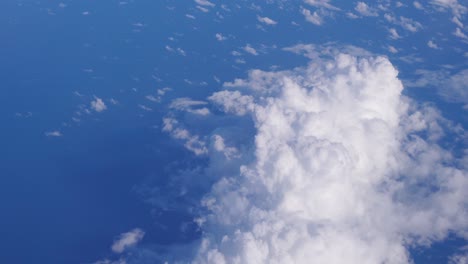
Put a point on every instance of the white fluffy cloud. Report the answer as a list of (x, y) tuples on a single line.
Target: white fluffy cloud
[(204, 3), (431, 44), (220, 37), (406, 23), (191, 142), (127, 240), (266, 20), (345, 169), (321, 4), (313, 18), (189, 105), (363, 9), (249, 49), (54, 133), (98, 105)]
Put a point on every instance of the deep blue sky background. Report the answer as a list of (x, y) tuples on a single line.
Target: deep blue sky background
[(64, 199)]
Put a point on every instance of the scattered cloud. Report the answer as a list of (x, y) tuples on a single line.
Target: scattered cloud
[(393, 33), (321, 4), (406, 23), (431, 44), (457, 9), (205, 3), (189, 105), (313, 18), (247, 48), (459, 33), (455, 87), (266, 20), (54, 133), (363, 9), (192, 143), (392, 49), (145, 108), (98, 105), (418, 5), (461, 257), (220, 37), (127, 240)]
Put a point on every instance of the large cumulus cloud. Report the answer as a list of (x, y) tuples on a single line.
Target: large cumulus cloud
[(345, 169)]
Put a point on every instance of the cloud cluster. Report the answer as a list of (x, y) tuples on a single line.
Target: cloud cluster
[(345, 169)]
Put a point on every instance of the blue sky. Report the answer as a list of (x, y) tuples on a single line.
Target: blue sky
[(139, 131)]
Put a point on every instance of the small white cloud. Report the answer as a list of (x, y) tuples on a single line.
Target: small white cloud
[(189, 105), (410, 25), (233, 101), (351, 15), (184, 103), (203, 9), (181, 52), (220, 37), (394, 33), (457, 9), (267, 20), (432, 45), (250, 50), (127, 240), (457, 22), (418, 5), (406, 23), (392, 49), (460, 34), (220, 146), (321, 4), (236, 53), (146, 108), (54, 133), (191, 142), (313, 18), (153, 98), (138, 24), (363, 9), (204, 3), (98, 105)]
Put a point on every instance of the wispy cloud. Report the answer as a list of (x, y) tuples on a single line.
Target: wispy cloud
[(54, 133), (266, 20), (127, 240)]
